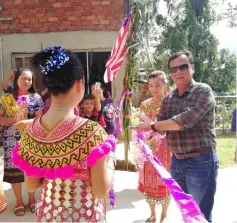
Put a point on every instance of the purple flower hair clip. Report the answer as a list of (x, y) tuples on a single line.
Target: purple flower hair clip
[(56, 61)]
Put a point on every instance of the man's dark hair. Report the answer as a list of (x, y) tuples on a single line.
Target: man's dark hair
[(187, 53)]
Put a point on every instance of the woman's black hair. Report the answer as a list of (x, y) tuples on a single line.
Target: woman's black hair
[(17, 74), (59, 80)]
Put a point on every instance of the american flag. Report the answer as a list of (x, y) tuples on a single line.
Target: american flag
[(118, 52)]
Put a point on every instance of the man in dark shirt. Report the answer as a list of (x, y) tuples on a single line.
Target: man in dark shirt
[(187, 115)]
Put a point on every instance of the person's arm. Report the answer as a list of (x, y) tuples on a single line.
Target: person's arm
[(102, 176), (96, 93), (6, 80), (6, 120), (33, 183), (192, 114), (158, 126), (167, 125), (22, 124)]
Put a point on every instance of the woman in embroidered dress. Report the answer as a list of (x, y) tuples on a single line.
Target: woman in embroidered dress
[(150, 184), (23, 87), (55, 149)]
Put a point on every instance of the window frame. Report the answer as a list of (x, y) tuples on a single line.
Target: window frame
[(39, 82)]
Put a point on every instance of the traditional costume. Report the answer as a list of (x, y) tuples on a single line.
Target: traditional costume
[(60, 157), (150, 183), (11, 136)]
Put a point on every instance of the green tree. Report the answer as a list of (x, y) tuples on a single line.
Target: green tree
[(224, 76), (189, 28)]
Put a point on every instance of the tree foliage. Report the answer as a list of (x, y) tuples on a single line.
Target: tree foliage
[(187, 26)]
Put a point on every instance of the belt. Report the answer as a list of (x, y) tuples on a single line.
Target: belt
[(195, 153)]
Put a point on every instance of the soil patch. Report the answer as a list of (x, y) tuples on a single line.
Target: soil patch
[(122, 165)]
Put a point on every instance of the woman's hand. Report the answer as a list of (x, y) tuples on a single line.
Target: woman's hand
[(22, 124), (16, 117)]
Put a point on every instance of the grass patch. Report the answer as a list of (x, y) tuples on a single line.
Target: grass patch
[(226, 146)]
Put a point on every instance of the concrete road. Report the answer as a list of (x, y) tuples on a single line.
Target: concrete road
[(131, 207)]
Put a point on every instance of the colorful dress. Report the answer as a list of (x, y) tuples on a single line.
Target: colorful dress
[(11, 136), (63, 149), (150, 183)]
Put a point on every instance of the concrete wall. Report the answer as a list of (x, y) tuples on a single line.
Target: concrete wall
[(75, 41)]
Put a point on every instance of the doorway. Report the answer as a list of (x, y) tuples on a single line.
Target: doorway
[(94, 67)]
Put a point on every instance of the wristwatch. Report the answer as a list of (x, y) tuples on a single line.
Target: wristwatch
[(153, 127)]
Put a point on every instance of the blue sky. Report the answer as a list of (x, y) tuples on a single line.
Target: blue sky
[(226, 36)]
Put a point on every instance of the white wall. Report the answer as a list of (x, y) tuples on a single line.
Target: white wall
[(75, 41)]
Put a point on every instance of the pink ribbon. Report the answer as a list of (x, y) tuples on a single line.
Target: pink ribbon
[(188, 206)]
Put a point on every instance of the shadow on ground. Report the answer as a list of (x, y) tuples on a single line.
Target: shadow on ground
[(126, 198)]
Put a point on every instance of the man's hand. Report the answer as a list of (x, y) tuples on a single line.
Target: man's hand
[(143, 126)]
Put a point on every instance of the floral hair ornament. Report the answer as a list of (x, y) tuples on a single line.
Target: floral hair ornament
[(57, 60)]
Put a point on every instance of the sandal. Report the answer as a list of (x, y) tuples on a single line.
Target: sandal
[(151, 219), (32, 208), (19, 211)]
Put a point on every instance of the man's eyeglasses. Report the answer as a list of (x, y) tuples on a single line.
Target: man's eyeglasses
[(182, 67)]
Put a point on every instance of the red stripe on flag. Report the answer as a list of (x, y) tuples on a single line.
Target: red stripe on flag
[(118, 52)]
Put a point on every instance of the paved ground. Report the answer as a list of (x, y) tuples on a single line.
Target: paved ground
[(131, 207)]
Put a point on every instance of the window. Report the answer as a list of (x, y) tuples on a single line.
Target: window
[(95, 61)]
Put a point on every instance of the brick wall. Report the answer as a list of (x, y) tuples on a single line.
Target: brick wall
[(33, 16)]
